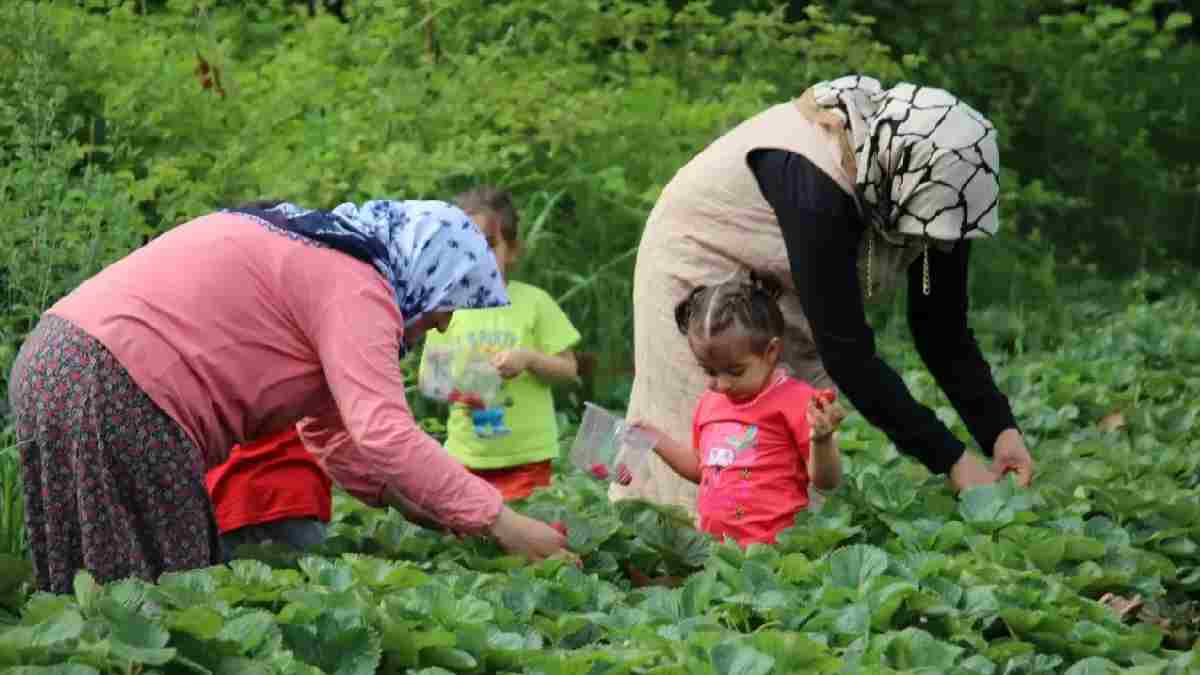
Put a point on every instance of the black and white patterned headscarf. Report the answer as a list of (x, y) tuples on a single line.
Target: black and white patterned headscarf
[(928, 164), (928, 172)]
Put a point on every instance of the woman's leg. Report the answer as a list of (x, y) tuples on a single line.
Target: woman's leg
[(113, 484)]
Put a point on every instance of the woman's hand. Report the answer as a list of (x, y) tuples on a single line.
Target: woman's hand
[(969, 472), (1010, 454), (526, 536)]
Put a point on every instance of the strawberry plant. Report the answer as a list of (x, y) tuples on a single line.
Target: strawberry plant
[(1094, 569)]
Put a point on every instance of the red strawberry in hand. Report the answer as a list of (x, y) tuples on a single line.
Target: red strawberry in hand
[(826, 396), (560, 526), (624, 475), (600, 471)]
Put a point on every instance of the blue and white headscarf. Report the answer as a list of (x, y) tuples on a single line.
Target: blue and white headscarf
[(431, 253)]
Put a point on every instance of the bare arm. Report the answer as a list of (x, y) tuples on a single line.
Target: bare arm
[(825, 463), (682, 459), (548, 367), (554, 367), (824, 459)]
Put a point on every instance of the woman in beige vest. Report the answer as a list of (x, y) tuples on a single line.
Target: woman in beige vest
[(839, 194)]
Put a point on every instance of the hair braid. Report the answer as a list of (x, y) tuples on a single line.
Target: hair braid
[(749, 306)]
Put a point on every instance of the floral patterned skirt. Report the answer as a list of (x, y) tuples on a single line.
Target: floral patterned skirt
[(112, 484)]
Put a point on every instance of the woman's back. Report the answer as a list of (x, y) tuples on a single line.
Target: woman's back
[(215, 321)]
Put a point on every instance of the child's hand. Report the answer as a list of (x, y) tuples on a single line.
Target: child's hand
[(512, 362), (824, 414), (648, 428)]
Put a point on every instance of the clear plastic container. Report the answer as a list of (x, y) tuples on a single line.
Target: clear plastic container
[(460, 376), (436, 378), (605, 442), (480, 377)]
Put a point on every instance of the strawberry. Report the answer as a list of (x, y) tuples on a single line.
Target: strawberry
[(560, 526), (826, 396), (624, 475), (600, 471)]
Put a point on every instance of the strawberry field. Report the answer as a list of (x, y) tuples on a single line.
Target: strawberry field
[(121, 118), (1093, 570)]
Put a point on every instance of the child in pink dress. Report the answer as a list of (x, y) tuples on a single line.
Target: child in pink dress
[(760, 437)]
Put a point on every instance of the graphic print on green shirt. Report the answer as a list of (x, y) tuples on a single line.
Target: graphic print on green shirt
[(533, 321)]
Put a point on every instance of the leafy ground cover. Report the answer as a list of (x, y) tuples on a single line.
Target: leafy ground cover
[(1094, 570)]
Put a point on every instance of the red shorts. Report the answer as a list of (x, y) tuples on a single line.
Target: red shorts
[(517, 482)]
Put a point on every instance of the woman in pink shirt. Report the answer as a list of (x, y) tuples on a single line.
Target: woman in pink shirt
[(760, 437), (231, 327)]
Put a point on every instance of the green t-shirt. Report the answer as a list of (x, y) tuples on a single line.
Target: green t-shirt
[(535, 322)]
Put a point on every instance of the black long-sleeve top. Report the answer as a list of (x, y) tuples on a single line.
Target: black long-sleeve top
[(821, 230)]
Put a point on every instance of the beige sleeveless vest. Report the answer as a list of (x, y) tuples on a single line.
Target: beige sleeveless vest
[(715, 203)]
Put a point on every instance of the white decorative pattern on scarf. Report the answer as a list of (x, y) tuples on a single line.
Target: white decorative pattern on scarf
[(430, 252), (928, 164)]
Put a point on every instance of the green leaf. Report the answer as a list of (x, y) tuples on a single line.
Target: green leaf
[(186, 589), (248, 630), (1048, 553), (252, 573), (986, 507), (1093, 666), (383, 574), (914, 648), (337, 649), (448, 657), (236, 665), (134, 629), (886, 600), (151, 656), (59, 629), (978, 664), (1177, 20), (323, 572), (86, 589), (855, 566), (795, 653), (732, 658), (202, 622), (1082, 548)]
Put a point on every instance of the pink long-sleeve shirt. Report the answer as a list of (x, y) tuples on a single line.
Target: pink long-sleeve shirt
[(237, 331)]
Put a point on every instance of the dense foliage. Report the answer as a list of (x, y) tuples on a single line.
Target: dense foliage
[(121, 118)]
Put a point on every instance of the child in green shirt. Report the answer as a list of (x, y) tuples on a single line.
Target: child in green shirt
[(529, 343)]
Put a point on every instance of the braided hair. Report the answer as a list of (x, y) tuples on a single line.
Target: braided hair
[(751, 306)]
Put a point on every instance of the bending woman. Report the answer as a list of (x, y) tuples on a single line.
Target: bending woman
[(231, 327), (846, 191)]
